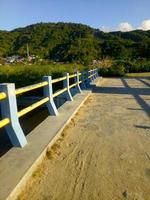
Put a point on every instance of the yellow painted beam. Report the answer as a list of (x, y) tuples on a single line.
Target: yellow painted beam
[(73, 85), (59, 92), (31, 87), (73, 75), (91, 75), (32, 107), (2, 95), (58, 79), (4, 122)]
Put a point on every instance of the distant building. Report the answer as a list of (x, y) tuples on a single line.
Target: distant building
[(31, 58), (14, 59)]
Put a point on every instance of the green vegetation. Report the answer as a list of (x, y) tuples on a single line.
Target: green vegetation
[(24, 75), (121, 67), (74, 43), (144, 74), (116, 53)]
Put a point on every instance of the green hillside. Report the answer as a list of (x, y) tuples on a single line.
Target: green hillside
[(70, 42)]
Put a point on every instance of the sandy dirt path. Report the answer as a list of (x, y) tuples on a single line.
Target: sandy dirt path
[(104, 153)]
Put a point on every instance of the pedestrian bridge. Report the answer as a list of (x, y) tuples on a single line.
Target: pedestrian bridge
[(114, 122)]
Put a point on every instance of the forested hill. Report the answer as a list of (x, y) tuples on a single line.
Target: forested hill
[(74, 42)]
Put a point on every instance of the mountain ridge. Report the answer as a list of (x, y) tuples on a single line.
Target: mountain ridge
[(74, 42)]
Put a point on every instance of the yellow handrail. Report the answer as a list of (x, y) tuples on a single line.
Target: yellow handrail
[(59, 79), (31, 87), (32, 107), (59, 92), (91, 75), (2, 95), (4, 122), (22, 90), (73, 75), (73, 85)]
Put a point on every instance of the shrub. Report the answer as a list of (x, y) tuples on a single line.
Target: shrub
[(23, 75), (113, 71)]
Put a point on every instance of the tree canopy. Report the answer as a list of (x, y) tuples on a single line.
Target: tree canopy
[(71, 42)]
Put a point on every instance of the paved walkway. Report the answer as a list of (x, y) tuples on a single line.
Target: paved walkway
[(104, 154)]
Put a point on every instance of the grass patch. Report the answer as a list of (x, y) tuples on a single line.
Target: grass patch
[(143, 74), (23, 75)]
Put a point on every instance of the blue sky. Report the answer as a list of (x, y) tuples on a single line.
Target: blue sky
[(104, 14)]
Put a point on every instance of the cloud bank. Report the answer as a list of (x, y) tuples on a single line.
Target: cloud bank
[(126, 26), (145, 25)]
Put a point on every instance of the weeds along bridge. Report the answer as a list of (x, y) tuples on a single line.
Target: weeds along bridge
[(75, 89)]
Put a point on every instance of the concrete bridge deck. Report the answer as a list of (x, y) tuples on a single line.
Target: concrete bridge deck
[(105, 153)]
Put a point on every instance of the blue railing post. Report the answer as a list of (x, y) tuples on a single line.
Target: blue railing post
[(93, 76), (76, 80), (48, 92), (90, 74), (88, 79), (67, 94), (9, 110), (94, 73), (83, 85), (97, 73)]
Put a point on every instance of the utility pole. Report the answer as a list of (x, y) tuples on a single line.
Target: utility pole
[(28, 51)]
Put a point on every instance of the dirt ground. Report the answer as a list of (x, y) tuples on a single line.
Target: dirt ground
[(104, 153)]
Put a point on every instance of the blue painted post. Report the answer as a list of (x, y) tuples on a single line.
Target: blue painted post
[(48, 92), (76, 80), (9, 110), (83, 85), (88, 79), (90, 74), (67, 94), (95, 74)]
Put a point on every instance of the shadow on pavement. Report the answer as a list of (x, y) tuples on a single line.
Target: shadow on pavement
[(135, 92), (142, 126)]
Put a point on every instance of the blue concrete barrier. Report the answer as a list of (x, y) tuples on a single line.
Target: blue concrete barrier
[(8, 100)]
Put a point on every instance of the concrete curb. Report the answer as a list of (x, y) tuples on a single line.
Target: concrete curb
[(18, 165), (13, 195)]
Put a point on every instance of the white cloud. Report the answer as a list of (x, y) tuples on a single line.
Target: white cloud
[(125, 26), (145, 25), (105, 29)]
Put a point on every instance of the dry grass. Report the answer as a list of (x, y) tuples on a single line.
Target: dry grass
[(144, 74)]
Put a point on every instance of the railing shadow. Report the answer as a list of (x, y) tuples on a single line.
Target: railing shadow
[(136, 93), (142, 126), (143, 81), (126, 89)]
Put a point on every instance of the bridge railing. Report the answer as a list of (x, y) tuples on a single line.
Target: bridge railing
[(8, 100)]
